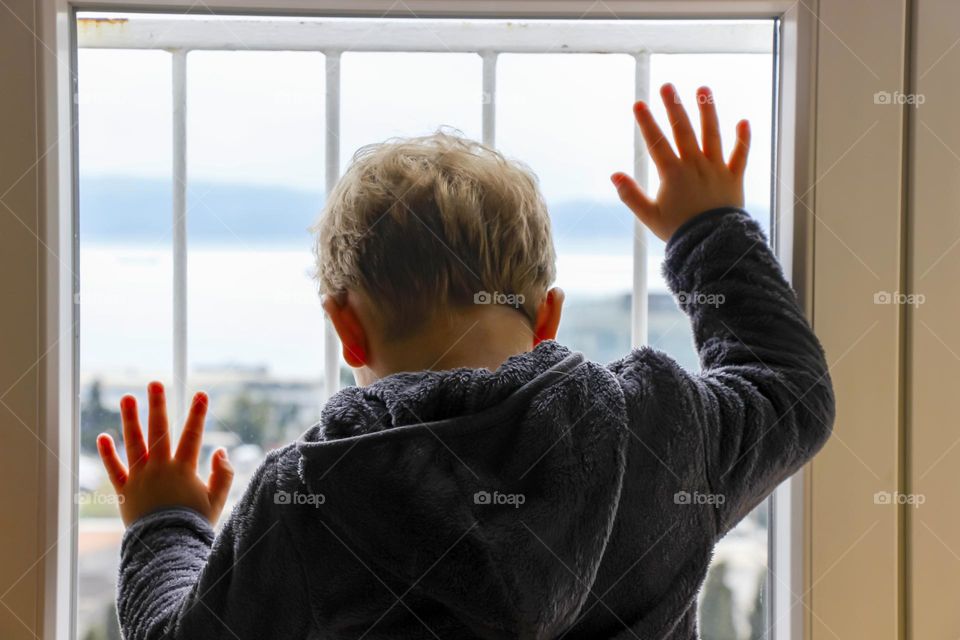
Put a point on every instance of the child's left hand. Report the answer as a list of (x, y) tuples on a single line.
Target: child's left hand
[(155, 479)]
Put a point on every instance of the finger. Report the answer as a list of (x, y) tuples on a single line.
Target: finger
[(709, 125), (682, 129), (657, 145), (633, 196), (188, 449), (111, 461), (221, 477), (132, 432), (159, 428), (738, 157)]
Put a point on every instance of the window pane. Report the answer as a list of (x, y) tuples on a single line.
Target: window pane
[(255, 327), (732, 604), (407, 94), (256, 117), (386, 95), (126, 278), (574, 140), (256, 134)]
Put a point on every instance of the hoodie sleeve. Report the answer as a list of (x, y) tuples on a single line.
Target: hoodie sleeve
[(179, 581), (763, 402)]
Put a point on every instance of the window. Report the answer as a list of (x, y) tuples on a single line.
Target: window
[(206, 145)]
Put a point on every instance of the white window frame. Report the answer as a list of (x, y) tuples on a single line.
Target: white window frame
[(798, 152)]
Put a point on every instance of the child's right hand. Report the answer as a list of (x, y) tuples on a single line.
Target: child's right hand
[(155, 479), (696, 181)]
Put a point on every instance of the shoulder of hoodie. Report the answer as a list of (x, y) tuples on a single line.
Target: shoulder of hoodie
[(282, 466), (279, 471), (264, 499), (647, 374), (598, 386)]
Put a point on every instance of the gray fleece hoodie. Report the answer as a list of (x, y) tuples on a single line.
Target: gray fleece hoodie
[(536, 501)]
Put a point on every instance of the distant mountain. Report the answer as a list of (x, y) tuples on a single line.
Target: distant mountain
[(140, 209)]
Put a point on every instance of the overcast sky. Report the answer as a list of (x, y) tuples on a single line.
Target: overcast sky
[(258, 117)]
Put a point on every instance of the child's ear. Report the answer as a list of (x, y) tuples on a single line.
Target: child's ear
[(548, 316), (347, 324)]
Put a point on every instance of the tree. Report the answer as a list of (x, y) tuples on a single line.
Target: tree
[(107, 628), (758, 623), (249, 418), (95, 419), (716, 608)]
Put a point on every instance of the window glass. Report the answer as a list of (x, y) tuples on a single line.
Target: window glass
[(732, 602), (384, 95), (574, 140), (126, 284), (256, 134), (255, 148)]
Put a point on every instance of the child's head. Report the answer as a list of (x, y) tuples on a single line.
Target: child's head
[(420, 232)]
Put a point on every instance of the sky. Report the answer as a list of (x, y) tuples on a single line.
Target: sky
[(258, 117)]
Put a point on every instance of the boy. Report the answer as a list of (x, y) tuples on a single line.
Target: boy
[(483, 481)]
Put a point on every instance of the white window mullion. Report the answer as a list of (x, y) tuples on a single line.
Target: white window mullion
[(331, 343), (638, 318), (489, 97), (179, 79)]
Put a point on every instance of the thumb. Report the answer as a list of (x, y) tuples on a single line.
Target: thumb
[(633, 196), (221, 477)]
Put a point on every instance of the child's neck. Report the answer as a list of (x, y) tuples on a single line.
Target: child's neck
[(478, 338)]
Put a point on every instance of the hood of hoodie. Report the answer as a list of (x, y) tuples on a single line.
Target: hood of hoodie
[(491, 493)]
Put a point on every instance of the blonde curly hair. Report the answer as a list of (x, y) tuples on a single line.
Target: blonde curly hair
[(424, 224)]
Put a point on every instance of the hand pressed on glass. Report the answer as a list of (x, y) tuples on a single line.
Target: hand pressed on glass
[(153, 479), (696, 181)]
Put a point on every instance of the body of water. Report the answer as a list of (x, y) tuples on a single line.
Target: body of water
[(248, 306)]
